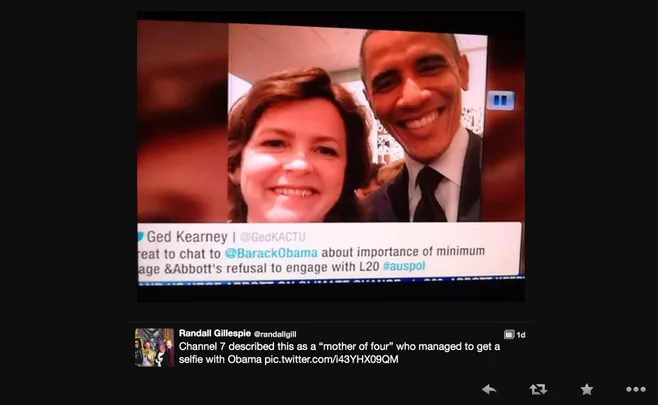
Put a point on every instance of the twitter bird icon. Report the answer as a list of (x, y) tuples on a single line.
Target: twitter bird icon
[(140, 236)]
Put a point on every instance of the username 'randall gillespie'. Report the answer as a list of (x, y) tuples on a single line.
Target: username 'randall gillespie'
[(187, 237), (244, 333), (201, 333)]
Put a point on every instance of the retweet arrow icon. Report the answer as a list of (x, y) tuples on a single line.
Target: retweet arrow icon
[(538, 389)]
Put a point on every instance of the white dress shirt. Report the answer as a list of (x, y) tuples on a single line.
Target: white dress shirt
[(451, 165)]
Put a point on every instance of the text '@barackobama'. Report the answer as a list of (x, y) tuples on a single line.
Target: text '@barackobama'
[(284, 252)]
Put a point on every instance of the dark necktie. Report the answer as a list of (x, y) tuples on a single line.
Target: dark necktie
[(428, 209)]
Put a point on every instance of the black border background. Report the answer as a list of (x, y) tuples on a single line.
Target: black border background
[(587, 295)]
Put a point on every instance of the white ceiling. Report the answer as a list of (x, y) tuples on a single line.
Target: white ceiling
[(256, 51), (469, 43)]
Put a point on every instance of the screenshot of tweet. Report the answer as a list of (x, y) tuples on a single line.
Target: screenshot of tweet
[(238, 254), (321, 344), (477, 354)]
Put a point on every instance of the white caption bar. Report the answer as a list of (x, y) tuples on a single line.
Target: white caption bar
[(326, 251)]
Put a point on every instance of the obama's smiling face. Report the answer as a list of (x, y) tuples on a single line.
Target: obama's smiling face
[(414, 82)]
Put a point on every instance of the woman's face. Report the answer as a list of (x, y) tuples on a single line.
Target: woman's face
[(293, 167)]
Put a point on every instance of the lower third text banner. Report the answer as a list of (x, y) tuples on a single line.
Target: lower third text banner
[(238, 254)]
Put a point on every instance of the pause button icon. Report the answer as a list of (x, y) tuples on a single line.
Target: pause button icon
[(500, 100)]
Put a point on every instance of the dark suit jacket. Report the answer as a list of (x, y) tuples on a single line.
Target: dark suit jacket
[(391, 202)]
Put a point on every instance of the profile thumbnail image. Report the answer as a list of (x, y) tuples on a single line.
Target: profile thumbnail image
[(154, 348)]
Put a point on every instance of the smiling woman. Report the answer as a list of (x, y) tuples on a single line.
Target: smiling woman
[(298, 148)]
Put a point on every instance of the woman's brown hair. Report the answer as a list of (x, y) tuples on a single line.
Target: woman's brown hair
[(297, 85), (373, 173)]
